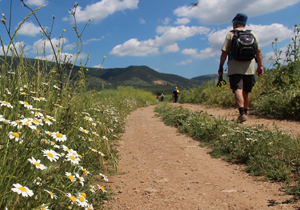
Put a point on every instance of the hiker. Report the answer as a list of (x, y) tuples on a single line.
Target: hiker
[(175, 94), (162, 97), (241, 62), (157, 97)]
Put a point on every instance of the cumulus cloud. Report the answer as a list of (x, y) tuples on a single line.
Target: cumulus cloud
[(216, 39), (168, 40), (222, 11), (133, 47), (29, 29), (63, 57), (171, 48), (185, 62), (42, 44), (182, 21), (36, 2), (102, 9)]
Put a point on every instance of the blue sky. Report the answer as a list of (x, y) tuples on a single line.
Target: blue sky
[(169, 36)]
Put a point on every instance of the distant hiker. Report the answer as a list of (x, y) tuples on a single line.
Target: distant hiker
[(157, 97), (242, 48), (175, 94), (162, 97)]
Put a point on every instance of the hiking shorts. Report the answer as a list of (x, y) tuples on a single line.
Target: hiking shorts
[(244, 82)]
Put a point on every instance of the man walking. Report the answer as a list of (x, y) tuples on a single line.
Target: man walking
[(241, 62)]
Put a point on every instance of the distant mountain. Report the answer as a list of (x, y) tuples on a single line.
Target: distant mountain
[(137, 76), (206, 77), (141, 77)]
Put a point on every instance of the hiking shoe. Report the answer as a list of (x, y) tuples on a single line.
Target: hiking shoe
[(242, 118)]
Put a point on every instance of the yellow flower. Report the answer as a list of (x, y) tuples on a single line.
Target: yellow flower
[(64, 30)]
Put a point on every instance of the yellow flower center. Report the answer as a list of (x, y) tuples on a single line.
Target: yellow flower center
[(59, 135), (16, 135), (50, 155), (71, 177), (83, 194), (102, 188), (51, 193), (72, 158), (6, 103), (23, 189), (73, 198), (81, 198), (37, 164), (26, 103)]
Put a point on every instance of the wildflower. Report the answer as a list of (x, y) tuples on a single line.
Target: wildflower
[(24, 191), (26, 104), (83, 130), (64, 30), (56, 87), (104, 177), (94, 150), (54, 144), (53, 196), (5, 103), (37, 114), (85, 172), (50, 118), (92, 189), (102, 189), (72, 198), (51, 155), (23, 93), (88, 118), (70, 176), (37, 181), (81, 200), (2, 118), (74, 160), (37, 163), (36, 99), (42, 99), (105, 138), (15, 136), (59, 137), (80, 179), (89, 207), (58, 105), (44, 207), (48, 122)]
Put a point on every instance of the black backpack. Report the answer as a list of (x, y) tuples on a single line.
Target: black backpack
[(243, 45)]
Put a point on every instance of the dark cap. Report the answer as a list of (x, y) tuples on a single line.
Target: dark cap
[(240, 18)]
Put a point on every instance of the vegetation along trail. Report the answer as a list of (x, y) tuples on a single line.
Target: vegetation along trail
[(160, 168)]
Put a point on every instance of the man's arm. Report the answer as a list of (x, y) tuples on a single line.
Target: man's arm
[(223, 58), (260, 68)]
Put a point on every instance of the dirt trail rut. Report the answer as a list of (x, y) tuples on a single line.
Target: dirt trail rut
[(160, 168)]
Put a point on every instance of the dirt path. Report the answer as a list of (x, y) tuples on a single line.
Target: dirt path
[(160, 168)]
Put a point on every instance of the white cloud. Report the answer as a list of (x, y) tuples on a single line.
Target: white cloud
[(101, 9), (166, 21), (223, 11), (169, 37), (63, 57), (188, 61), (93, 40), (171, 48), (265, 33), (42, 44), (133, 47), (182, 21), (29, 29), (142, 21), (36, 2)]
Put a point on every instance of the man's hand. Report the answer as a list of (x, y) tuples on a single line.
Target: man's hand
[(220, 71), (260, 71)]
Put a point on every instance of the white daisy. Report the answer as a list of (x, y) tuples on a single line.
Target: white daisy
[(37, 114), (72, 158), (38, 181), (15, 136), (48, 122), (83, 130), (53, 196), (80, 179), (72, 197), (59, 137), (104, 177), (89, 207), (71, 177), (81, 200), (5, 103), (88, 118), (24, 191), (37, 163), (26, 104), (50, 118), (51, 155)]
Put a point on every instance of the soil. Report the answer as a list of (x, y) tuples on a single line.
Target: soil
[(159, 168)]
